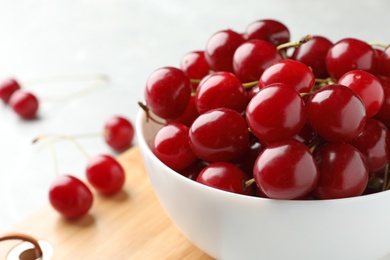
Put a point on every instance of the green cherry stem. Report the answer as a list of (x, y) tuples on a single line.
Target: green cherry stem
[(294, 44), (148, 115), (378, 44), (250, 84)]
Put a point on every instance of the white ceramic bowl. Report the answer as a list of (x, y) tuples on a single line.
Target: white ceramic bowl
[(232, 226)]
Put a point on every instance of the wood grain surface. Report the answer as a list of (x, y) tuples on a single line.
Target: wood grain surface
[(128, 225)]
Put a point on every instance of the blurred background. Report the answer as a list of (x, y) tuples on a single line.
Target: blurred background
[(125, 40)]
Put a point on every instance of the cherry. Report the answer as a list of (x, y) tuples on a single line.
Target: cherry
[(192, 171), (269, 30), (70, 196), (189, 114), (247, 160), (343, 171), (225, 176), (313, 54), (220, 89), (7, 88), (220, 49), (367, 87), (336, 113), (105, 174), (167, 92), (118, 133), (384, 63), (290, 72), (24, 103), (307, 135), (171, 145), (350, 54), (220, 134), (286, 170), (374, 143), (384, 113), (277, 112), (252, 58), (195, 66)]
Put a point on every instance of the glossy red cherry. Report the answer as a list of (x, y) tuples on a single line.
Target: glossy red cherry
[(336, 113), (24, 103), (225, 176), (374, 143), (195, 66), (286, 170), (252, 58), (171, 145), (167, 92), (219, 135), (7, 88), (105, 174), (384, 62), (350, 54), (118, 133), (384, 113), (269, 30), (70, 196), (367, 87), (343, 171), (220, 89), (277, 112), (290, 72), (220, 49), (189, 114), (313, 54)]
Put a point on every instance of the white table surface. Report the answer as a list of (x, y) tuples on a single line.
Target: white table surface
[(127, 40)]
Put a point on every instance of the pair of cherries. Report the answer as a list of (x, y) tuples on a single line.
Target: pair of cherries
[(71, 197), (23, 103)]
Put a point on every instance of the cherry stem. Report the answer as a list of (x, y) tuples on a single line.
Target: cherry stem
[(148, 116), (92, 86), (250, 84), (24, 237), (248, 183), (195, 81), (62, 136), (294, 44), (305, 94), (378, 44)]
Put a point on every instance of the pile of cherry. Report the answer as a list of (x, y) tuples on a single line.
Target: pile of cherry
[(69, 195), (256, 114)]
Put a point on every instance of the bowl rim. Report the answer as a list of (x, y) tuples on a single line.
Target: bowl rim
[(141, 120)]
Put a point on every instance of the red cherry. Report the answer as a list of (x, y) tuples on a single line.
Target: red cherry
[(171, 145), (167, 92), (195, 66), (367, 87), (189, 114), (252, 58), (313, 54), (7, 88), (286, 170), (343, 171), (220, 89), (384, 62), (219, 135), (269, 30), (225, 176), (277, 112), (220, 49), (384, 113), (105, 174), (290, 72), (118, 133), (336, 113), (350, 54), (70, 197), (374, 143), (24, 103)]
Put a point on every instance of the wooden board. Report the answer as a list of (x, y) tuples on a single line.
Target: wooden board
[(129, 225)]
